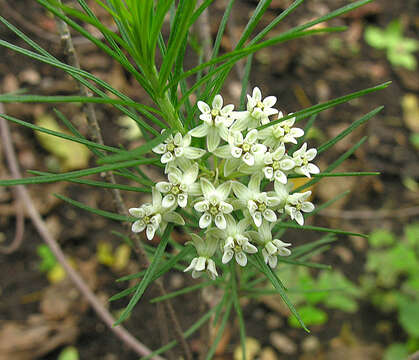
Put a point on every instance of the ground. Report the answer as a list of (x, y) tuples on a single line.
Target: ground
[(300, 73)]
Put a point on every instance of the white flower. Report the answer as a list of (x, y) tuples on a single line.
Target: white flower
[(179, 186), (236, 242), (205, 249), (175, 149), (296, 203), (280, 133), (259, 204), (214, 204), (152, 216), (276, 164), (271, 248), (302, 158), (216, 122), (258, 111)]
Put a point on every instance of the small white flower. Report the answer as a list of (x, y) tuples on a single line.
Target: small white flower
[(236, 241), (180, 185), (152, 216), (205, 249), (258, 111), (271, 248), (214, 204), (302, 158), (216, 122), (280, 133), (296, 203), (259, 204), (277, 163), (176, 149)]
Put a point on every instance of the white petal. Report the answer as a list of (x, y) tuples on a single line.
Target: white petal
[(191, 174), (227, 256), (249, 159), (299, 218), (225, 207), (168, 201), (220, 221), (287, 164), (269, 215), (241, 191), (163, 187), (207, 187), (193, 153), (174, 217), (269, 101), (257, 218), (313, 169), (150, 231), (211, 269), (226, 110), (269, 172), (205, 220), (307, 206), (254, 182), (200, 264), (271, 248), (191, 265), (138, 226), (236, 152), (136, 212), (199, 131), (167, 157), (203, 107), (201, 206), (223, 190), (182, 200), (217, 103), (241, 258), (250, 248), (213, 139), (156, 196), (251, 136), (160, 149), (273, 261), (223, 152), (281, 177), (257, 95), (230, 166), (311, 154)]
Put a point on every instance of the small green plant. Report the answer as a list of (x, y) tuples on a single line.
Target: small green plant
[(228, 168), (391, 281), (329, 288), (399, 48)]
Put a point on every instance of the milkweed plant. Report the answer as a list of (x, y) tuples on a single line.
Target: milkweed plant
[(228, 169)]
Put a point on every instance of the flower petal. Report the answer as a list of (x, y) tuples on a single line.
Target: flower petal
[(213, 139), (174, 217), (203, 107), (207, 187), (227, 256), (199, 131), (217, 103), (220, 221), (223, 152), (241, 258), (269, 215), (168, 201), (138, 226), (150, 231), (193, 153), (205, 220)]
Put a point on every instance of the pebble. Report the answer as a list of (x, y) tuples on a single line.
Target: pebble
[(283, 343)]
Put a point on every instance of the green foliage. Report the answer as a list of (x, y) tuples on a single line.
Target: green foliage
[(69, 353), (399, 49), (391, 281), (157, 63), (396, 351), (48, 260)]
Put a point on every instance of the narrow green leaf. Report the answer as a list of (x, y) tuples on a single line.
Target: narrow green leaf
[(74, 174), (304, 263), (148, 275), (341, 174), (220, 330), (137, 152), (183, 291), (327, 105), (328, 203), (245, 81), (307, 248), (60, 135), (348, 130), (237, 308), (319, 228), (196, 326), (276, 282), (101, 184), (99, 212)]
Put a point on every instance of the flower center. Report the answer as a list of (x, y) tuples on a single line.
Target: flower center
[(276, 165), (298, 206), (175, 190), (287, 129), (260, 105), (213, 210), (305, 161), (170, 147), (214, 112), (237, 248), (246, 147), (146, 219), (261, 206)]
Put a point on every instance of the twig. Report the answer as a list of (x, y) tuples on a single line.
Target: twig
[(96, 135), (20, 220), (39, 224), (371, 214)]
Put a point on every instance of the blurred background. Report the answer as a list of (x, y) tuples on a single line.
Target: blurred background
[(372, 308)]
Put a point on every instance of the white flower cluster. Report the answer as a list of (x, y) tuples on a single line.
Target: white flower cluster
[(237, 218)]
